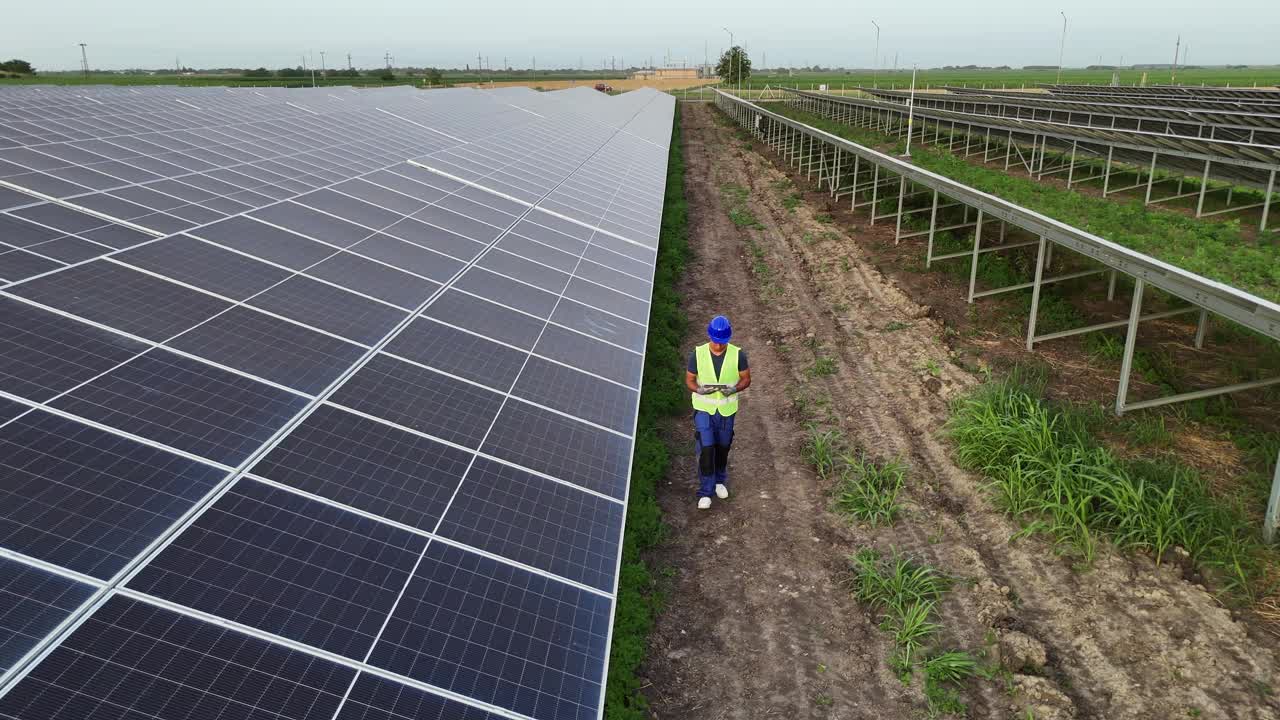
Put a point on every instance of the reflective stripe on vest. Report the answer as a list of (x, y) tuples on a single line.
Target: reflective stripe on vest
[(716, 402)]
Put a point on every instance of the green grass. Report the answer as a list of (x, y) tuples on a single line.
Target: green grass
[(638, 598), (1013, 78), (1216, 250), (822, 366), (868, 491), (1046, 466), (821, 450)]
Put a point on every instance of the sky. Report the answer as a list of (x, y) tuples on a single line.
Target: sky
[(569, 33)]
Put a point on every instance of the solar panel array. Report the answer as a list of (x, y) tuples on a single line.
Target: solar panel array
[(318, 404)]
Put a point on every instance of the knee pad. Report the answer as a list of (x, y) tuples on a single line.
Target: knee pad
[(722, 457), (707, 460)]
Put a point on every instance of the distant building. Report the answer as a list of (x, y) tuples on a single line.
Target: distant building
[(673, 73)]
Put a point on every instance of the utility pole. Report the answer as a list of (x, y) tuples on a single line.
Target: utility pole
[(84, 61), (322, 63), (1062, 46), (1173, 76), (895, 61), (349, 65), (876, 70), (731, 53)]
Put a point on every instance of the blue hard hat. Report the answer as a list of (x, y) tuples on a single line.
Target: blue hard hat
[(719, 329)]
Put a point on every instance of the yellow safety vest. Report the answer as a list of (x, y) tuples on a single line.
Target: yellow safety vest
[(716, 402)]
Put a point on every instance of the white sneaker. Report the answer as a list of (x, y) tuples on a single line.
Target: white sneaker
[(722, 491), (704, 503)]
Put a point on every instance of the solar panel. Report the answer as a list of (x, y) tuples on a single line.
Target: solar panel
[(318, 403)]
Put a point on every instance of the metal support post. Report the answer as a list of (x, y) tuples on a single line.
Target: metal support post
[(1201, 327), (902, 194), (1106, 172), (1204, 188), (853, 191), (1035, 293), (977, 248), (933, 224), (1266, 201), (1071, 171), (1131, 340), (875, 193), (1151, 176), (1111, 286), (1273, 508)]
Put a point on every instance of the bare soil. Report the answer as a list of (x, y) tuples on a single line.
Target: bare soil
[(759, 621)]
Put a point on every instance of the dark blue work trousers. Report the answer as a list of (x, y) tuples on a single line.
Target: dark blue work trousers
[(713, 434)]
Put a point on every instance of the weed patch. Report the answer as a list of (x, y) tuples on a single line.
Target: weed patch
[(1046, 467), (638, 598)]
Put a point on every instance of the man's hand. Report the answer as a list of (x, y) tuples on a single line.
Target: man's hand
[(729, 390), (704, 390)]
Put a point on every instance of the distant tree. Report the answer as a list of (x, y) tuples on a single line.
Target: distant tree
[(258, 73), (387, 76), (434, 77), (734, 65), (21, 67), (293, 72)]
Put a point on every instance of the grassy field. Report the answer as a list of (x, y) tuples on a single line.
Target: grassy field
[(1247, 77)]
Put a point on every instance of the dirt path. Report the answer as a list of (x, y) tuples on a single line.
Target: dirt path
[(759, 622)]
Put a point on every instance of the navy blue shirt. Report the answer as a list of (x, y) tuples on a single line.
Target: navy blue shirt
[(717, 361)]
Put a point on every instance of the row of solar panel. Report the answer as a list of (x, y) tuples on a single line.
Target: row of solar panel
[(356, 491)]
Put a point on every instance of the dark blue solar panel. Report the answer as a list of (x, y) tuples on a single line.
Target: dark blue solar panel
[(43, 353), (561, 447), (16, 265), (407, 256), (331, 309), (271, 348), (89, 500), (313, 224), (32, 603), (457, 352), (486, 318), (266, 242), (598, 324), (421, 400), (123, 298), (10, 410), (367, 465), (578, 394), (375, 280), (538, 522), (186, 404), (291, 566), (499, 634), (591, 355), (205, 266), (376, 698), (133, 661)]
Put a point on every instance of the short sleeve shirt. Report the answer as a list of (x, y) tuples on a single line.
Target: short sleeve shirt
[(717, 361)]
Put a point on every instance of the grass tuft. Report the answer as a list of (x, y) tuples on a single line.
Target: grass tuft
[(868, 492)]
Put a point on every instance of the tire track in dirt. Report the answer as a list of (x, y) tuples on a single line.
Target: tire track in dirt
[(758, 624)]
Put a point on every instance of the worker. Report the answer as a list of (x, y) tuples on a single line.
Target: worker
[(716, 373)]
